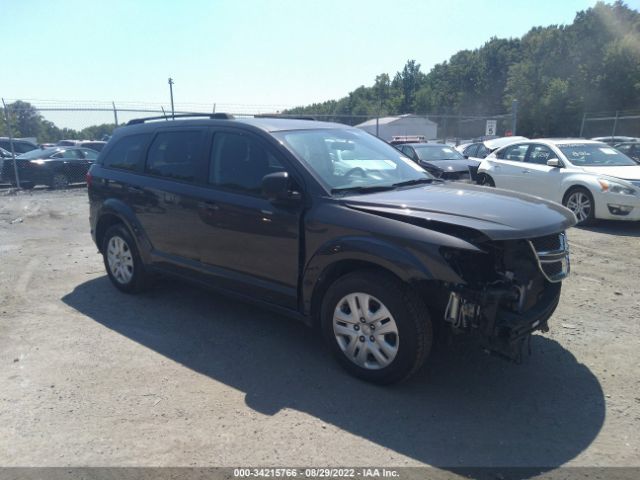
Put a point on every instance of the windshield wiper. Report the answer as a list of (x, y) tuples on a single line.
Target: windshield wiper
[(416, 181), (363, 189)]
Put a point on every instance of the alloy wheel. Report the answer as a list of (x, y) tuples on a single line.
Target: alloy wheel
[(580, 204)]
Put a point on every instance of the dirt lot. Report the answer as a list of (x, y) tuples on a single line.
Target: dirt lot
[(183, 377)]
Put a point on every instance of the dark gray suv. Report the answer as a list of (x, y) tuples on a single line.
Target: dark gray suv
[(332, 226)]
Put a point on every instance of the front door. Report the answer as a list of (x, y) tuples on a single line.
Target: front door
[(251, 243)]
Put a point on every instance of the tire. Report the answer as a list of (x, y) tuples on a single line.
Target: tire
[(487, 181), (59, 181), (397, 355), (580, 201), (122, 261)]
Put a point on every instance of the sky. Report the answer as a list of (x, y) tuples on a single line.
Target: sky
[(242, 54)]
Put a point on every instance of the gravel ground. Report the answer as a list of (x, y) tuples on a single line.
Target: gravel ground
[(184, 377)]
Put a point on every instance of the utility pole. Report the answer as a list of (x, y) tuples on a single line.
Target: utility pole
[(173, 112), (13, 152)]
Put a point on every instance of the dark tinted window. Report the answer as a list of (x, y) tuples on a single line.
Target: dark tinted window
[(471, 150), (540, 154), (69, 154), (240, 163), (175, 154), (89, 154), (18, 146), (482, 151), (127, 152)]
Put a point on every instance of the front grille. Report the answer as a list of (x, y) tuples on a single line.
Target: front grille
[(552, 253), (546, 244)]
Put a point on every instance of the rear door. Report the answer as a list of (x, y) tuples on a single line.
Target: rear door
[(508, 164), (537, 177), (167, 201)]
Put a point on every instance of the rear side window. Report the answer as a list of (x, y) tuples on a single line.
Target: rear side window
[(471, 150), (515, 153), (482, 151), (175, 155), (240, 163), (127, 153)]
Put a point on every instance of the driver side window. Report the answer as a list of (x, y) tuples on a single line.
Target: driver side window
[(539, 154)]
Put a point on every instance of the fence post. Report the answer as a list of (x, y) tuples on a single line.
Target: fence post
[(13, 152), (378, 126), (615, 125), (514, 116), (584, 117), (115, 113)]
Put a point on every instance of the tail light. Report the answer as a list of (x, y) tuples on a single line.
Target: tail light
[(89, 178)]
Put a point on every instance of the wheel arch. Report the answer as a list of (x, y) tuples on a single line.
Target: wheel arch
[(337, 259), (115, 212)]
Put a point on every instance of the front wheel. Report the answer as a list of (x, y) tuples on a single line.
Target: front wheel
[(486, 180), (58, 181), (376, 327), (580, 201)]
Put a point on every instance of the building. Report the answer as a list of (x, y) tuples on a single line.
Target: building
[(388, 127)]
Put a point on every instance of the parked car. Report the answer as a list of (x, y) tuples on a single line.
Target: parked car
[(592, 179), (483, 148), (442, 161), (55, 167), (5, 153), (96, 145), (19, 146), (376, 257), (402, 139), (615, 139), (630, 149)]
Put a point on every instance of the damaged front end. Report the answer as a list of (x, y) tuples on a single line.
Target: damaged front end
[(510, 290)]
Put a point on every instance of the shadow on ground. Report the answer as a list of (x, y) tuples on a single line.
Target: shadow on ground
[(464, 409)]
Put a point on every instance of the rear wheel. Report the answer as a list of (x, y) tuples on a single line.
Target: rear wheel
[(580, 201), (122, 260), (376, 327), (59, 180), (487, 181)]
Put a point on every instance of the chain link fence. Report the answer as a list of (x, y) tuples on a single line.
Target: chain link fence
[(611, 124), (35, 130)]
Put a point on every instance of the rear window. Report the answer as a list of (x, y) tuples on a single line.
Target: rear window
[(127, 153)]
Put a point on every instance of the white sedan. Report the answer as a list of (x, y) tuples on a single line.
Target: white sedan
[(592, 179)]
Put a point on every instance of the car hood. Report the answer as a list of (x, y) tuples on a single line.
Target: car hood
[(498, 214), (631, 172), (451, 165)]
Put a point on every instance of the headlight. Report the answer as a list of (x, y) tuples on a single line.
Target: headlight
[(615, 187)]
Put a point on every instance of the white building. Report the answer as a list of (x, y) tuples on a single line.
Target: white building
[(401, 125)]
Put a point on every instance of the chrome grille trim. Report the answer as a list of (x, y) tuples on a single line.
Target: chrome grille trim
[(554, 260)]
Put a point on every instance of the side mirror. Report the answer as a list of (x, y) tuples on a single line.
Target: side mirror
[(553, 162), (277, 187)]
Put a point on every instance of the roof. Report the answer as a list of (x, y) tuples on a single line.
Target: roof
[(387, 120), (564, 141), (268, 124)]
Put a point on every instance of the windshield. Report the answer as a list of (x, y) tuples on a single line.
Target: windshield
[(595, 155), (352, 159), (433, 153), (38, 153)]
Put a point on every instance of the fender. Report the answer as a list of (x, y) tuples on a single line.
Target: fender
[(126, 214), (372, 250)]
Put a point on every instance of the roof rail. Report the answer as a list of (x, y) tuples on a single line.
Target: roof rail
[(214, 116), (284, 115)]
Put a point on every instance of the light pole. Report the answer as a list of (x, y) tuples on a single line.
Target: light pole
[(173, 113)]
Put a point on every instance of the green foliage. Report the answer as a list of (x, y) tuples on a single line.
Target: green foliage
[(556, 73), (25, 121)]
